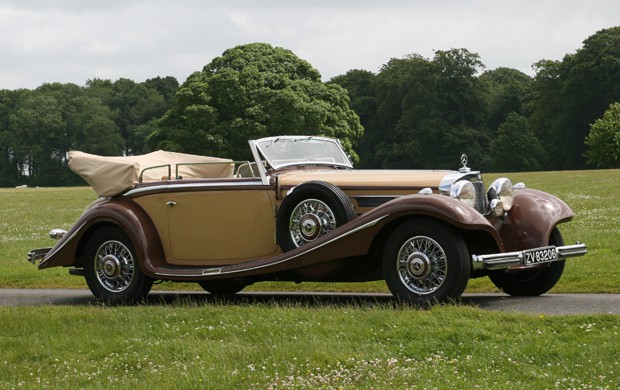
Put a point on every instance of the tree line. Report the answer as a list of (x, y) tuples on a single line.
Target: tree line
[(38, 127), (415, 112)]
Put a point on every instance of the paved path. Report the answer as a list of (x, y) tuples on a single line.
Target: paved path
[(548, 304)]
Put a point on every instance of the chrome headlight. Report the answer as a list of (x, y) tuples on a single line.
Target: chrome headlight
[(464, 191), (502, 189)]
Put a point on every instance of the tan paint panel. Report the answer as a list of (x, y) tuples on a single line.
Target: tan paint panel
[(155, 207), (366, 178), (221, 226)]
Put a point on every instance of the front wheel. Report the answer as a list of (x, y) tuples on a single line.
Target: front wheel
[(426, 262), (111, 269), (533, 282)]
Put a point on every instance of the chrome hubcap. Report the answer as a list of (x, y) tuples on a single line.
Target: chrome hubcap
[(114, 266), (310, 220), (111, 267), (310, 227), (422, 265), (418, 265)]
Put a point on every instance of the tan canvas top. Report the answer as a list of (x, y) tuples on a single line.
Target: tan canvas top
[(110, 176)]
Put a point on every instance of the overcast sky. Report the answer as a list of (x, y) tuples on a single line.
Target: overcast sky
[(75, 40)]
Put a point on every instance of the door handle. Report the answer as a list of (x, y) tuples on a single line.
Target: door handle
[(171, 203)]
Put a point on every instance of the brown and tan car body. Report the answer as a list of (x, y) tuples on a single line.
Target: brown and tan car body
[(217, 228)]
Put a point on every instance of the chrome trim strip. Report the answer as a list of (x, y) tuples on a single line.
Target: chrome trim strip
[(182, 186), (212, 271), (497, 261)]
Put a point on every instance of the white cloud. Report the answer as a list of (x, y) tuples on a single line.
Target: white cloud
[(74, 40)]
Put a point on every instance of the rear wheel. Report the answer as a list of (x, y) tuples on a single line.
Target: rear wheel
[(426, 262), (531, 282), (111, 269)]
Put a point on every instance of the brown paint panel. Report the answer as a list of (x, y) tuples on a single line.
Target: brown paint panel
[(120, 212), (532, 218)]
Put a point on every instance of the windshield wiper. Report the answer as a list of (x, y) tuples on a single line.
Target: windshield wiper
[(272, 142)]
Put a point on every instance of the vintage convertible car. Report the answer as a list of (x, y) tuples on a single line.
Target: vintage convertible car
[(300, 212)]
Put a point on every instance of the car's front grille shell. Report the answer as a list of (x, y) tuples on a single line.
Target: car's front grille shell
[(481, 198)]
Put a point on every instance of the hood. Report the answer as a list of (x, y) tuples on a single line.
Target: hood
[(436, 179)]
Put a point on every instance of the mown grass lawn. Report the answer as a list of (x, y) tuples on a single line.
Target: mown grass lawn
[(292, 346), (284, 345)]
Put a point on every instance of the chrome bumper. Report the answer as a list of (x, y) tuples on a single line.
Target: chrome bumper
[(37, 254), (517, 259)]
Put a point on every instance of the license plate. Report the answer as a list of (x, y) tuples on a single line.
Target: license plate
[(540, 255)]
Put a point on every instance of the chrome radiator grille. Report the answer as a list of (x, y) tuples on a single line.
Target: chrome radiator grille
[(481, 197)]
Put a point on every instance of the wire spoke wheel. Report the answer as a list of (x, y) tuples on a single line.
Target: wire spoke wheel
[(114, 266), (310, 220), (111, 268), (422, 265), (425, 262)]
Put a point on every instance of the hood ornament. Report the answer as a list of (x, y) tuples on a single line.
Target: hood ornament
[(464, 168)]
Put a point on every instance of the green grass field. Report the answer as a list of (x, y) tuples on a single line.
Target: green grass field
[(294, 345)]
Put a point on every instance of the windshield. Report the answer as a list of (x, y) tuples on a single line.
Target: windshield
[(293, 150)]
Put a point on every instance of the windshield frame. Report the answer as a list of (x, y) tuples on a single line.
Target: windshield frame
[(261, 146)]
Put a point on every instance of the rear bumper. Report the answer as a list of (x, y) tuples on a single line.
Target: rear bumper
[(37, 254), (517, 259)]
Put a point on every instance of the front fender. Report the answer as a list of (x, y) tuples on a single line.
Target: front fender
[(449, 210), (121, 212), (533, 216)]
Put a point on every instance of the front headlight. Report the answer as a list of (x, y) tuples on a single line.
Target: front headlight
[(502, 189), (464, 191)]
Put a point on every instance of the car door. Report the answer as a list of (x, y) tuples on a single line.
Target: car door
[(221, 223)]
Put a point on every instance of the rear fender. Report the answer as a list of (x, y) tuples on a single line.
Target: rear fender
[(533, 216), (120, 212)]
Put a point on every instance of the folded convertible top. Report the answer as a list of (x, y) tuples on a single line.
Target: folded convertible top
[(110, 176)]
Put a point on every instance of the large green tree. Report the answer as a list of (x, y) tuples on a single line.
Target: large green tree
[(360, 86), (515, 147), (431, 111), (507, 90), (11, 161), (403, 96), (251, 91), (53, 119), (569, 95), (604, 139), (136, 106)]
